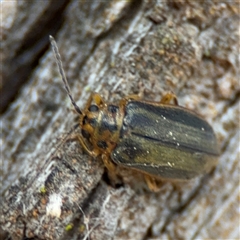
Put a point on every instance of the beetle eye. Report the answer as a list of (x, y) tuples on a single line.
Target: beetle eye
[(93, 108), (85, 134)]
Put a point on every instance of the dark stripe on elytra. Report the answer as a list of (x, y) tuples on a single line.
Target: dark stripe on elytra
[(174, 145), (175, 114), (166, 172)]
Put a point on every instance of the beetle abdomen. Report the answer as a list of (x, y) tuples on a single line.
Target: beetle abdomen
[(166, 141)]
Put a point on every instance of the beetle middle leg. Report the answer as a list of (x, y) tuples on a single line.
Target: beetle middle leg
[(112, 171), (111, 167), (168, 97)]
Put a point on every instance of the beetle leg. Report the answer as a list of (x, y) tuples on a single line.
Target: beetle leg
[(112, 170), (93, 153), (124, 101), (132, 97), (96, 98), (168, 97), (114, 177), (111, 167), (153, 184)]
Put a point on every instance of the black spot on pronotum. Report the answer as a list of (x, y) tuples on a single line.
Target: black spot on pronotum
[(112, 127), (102, 144), (93, 122), (112, 108), (85, 120)]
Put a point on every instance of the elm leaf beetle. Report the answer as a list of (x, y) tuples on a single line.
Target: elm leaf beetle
[(163, 141)]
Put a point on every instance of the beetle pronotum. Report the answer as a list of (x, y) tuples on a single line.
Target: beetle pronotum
[(161, 140)]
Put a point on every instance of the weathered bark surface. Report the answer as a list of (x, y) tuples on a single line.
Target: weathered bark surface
[(52, 189)]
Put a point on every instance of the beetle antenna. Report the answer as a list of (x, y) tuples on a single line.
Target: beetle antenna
[(62, 73)]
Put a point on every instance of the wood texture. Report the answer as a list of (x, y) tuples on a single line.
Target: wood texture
[(52, 189)]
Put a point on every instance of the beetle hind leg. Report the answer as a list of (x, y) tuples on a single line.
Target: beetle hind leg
[(153, 184), (168, 97), (123, 102)]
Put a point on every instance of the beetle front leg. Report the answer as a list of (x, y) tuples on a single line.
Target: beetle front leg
[(168, 97), (93, 153)]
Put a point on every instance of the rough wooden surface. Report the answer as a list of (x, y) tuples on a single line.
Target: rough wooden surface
[(52, 189)]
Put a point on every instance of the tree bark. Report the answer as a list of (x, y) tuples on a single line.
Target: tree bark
[(51, 188)]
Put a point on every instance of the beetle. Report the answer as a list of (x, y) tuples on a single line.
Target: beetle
[(163, 141)]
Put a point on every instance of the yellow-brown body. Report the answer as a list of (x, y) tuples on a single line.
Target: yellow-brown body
[(160, 140)]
